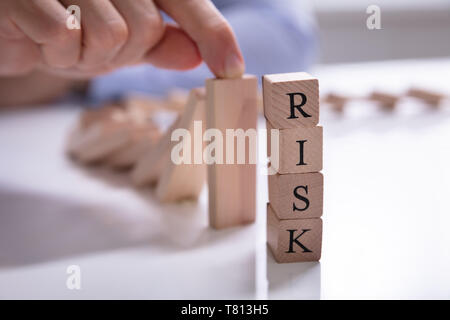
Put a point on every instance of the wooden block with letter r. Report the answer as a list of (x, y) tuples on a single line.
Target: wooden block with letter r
[(296, 196), (232, 104), (291, 100), (297, 150), (294, 240)]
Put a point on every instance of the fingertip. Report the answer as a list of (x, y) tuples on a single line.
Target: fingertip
[(234, 66), (220, 50)]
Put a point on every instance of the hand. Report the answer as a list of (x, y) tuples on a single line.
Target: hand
[(115, 33)]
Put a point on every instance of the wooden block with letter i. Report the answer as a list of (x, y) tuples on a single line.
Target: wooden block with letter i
[(296, 240), (232, 104), (297, 150), (291, 100), (296, 196)]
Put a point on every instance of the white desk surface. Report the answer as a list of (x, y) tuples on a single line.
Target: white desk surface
[(386, 215)]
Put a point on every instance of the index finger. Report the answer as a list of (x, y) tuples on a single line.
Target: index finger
[(213, 35)]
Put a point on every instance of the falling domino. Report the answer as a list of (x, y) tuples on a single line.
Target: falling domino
[(148, 168), (185, 181), (141, 141), (98, 135), (152, 164)]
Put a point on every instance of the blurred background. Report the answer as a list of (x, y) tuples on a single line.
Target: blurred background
[(410, 29), (386, 213)]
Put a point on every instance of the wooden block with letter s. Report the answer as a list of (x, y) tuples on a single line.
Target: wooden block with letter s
[(291, 100), (232, 104), (296, 240), (297, 150), (296, 196)]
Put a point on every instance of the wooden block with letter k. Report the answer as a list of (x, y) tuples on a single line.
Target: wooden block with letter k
[(296, 240)]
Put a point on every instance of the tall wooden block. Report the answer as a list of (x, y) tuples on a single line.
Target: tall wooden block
[(294, 240), (291, 100), (296, 196), (232, 104), (299, 150)]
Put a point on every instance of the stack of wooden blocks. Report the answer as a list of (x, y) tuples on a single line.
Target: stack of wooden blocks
[(294, 224)]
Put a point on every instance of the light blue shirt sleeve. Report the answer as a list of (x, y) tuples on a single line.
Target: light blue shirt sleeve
[(275, 36)]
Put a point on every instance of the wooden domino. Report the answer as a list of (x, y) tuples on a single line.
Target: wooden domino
[(231, 104), (98, 135), (291, 100), (299, 149), (295, 240), (387, 100), (141, 141), (151, 165), (185, 181), (296, 196), (294, 144), (429, 97), (336, 101)]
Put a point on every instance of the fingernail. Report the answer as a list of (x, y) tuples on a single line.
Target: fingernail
[(234, 67)]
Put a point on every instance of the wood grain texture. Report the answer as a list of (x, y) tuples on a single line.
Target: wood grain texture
[(277, 103), (289, 149), (296, 196), (231, 104), (279, 238), (185, 181)]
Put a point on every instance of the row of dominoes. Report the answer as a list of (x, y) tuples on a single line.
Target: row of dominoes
[(386, 100), (124, 136), (294, 211)]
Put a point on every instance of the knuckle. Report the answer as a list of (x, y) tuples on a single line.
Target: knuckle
[(220, 29), (113, 35), (148, 30), (154, 28)]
